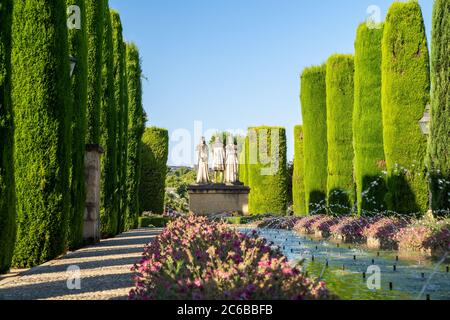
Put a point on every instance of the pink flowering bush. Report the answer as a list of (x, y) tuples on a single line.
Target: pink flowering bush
[(425, 237), (349, 228), (384, 230), (324, 224), (195, 259), (305, 223)]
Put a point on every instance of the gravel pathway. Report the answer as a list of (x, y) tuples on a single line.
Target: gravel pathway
[(104, 272)]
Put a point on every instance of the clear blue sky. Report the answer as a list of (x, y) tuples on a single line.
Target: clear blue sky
[(236, 63)]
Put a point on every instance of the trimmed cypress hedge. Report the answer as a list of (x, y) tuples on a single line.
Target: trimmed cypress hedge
[(108, 139), (155, 152), (368, 123), (136, 128), (298, 183), (7, 192), (267, 170), (42, 111), (340, 89), (439, 148), (78, 49), (122, 115), (314, 113), (405, 94), (95, 12), (243, 161)]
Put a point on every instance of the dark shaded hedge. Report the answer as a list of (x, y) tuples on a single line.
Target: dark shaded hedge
[(368, 123), (439, 148), (314, 113), (108, 139), (95, 12), (155, 152), (405, 95), (298, 183), (340, 89), (136, 128), (267, 170), (42, 111), (7, 192), (78, 49), (122, 115)]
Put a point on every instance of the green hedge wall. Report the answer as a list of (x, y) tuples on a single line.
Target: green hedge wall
[(78, 49), (95, 12), (42, 111), (340, 89), (368, 123), (439, 148), (7, 195), (314, 113), (405, 94), (108, 139), (298, 183), (155, 152), (243, 161), (135, 131), (267, 170), (122, 115)]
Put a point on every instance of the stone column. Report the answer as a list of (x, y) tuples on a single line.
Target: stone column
[(91, 228)]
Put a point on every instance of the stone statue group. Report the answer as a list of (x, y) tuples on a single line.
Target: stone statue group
[(225, 162)]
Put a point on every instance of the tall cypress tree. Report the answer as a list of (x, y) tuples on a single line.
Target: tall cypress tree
[(340, 89), (439, 148), (95, 12), (368, 122), (298, 183), (7, 186), (136, 128), (267, 170), (405, 95), (78, 50), (314, 113), (42, 110), (108, 137), (155, 151), (122, 116)]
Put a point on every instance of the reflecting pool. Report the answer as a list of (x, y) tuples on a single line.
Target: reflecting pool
[(351, 271)]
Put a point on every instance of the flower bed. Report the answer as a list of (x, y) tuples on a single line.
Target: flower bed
[(304, 225), (195, 259), (322, 226), (425, 237), (381, 232), (349, 229)]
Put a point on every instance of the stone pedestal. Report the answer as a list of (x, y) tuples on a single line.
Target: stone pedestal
[(91, 228), (218, 198)]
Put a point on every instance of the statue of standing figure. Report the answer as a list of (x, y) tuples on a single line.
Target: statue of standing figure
[(203, 157), (232, 162), (218, 160)]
